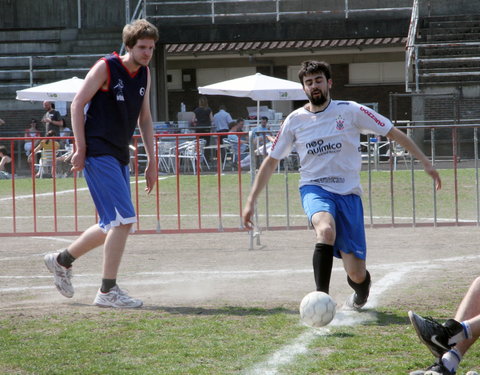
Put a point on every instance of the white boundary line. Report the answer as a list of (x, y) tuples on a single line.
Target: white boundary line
[(298, 346)]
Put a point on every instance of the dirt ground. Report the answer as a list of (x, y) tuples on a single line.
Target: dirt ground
[(213, 270)]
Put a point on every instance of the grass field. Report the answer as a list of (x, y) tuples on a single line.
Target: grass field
[(254, 329), (192, 203)]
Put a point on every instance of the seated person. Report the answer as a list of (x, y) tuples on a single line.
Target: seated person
[(235, 140), (46, 147), (4, 160), (63, 162), (262, 134)]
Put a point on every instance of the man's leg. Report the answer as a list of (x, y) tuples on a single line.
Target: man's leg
[(439, 338), (113, 250), (358, 278), (110, 295), (469, 310), (324, 226), (90, 239), (59, 263)]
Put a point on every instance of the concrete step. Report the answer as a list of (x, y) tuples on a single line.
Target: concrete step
[(452, 38), (30, 35), (452, 51), (28, 48)]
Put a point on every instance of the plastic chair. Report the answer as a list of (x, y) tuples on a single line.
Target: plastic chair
[(45, 164), (396, 151), (192, 151)]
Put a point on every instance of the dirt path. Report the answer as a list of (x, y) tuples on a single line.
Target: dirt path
[(213, 270)]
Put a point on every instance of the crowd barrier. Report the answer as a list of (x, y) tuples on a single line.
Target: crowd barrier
[(202, 187)]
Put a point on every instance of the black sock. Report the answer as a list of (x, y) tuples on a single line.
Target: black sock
[(65, 259), (108, 284), (363, 289), (322, 266)]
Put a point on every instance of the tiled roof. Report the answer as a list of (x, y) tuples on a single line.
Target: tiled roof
[(280, 46)]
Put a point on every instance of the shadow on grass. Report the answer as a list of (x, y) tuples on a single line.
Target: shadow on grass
[(227, 310), (387, 318)]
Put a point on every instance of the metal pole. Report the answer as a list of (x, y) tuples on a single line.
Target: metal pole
[(127, 11), (417, 82), (475, 148), (346, 8), (213, 10), (79, 14), (30, 66), (432, 139)]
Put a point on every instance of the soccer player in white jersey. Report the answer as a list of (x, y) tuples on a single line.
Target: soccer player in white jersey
[(326, 136)]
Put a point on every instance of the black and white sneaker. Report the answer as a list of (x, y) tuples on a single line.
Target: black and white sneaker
[(354, 303), (433, 334), (436, 369)]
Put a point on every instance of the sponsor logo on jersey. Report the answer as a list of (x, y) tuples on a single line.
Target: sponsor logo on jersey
[(319, 147), (118, 88), (276, 137), (330, 180), (340, 122), (372, 116)]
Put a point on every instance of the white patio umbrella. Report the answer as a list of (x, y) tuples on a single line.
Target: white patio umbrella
[(64, 90), (257, 87)]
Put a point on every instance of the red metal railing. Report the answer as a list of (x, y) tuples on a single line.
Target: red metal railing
[(190, 198)]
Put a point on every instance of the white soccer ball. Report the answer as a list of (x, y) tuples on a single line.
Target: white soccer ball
[(317, 309)]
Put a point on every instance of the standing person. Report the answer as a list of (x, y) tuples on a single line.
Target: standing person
[(202, 120), (221, 119), (326, 136), (52, 118), (31, 132), (65, 131), (449, 341), (118, 90)]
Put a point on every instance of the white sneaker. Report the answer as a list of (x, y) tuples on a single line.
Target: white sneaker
[(116, 297), (62, 276)]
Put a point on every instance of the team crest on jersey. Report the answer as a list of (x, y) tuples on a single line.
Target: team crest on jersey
[(340, 122), (118, 88)]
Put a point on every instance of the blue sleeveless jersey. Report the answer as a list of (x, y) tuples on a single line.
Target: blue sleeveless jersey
[(112, 114)]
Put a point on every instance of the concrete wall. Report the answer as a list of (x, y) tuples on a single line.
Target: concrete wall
[(28, 14)]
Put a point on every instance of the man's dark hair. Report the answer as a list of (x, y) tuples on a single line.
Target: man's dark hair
[(264, 118), (3, 150), (312, 67)]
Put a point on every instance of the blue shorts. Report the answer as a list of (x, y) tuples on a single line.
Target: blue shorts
[(347, 210), (109, 184)]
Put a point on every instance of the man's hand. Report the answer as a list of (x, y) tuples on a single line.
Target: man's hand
[(78, 161), (430, 170), (247, 215), (151, 176)]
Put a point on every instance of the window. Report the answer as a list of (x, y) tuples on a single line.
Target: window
[(382, 72)]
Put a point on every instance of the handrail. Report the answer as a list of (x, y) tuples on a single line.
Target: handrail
[(274, 12), (412, 32)]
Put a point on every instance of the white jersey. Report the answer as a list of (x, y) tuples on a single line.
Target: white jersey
[(328, 143)]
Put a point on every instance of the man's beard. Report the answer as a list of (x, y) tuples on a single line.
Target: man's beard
[(319, 100)]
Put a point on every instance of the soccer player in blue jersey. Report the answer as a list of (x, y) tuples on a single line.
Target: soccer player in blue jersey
[(114, 99), (326, 136)]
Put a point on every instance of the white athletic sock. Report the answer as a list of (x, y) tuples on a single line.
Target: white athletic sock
[(464, 335), (451, 360)]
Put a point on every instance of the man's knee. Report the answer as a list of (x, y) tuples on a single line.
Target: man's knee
[(475, 287), (325, 234)]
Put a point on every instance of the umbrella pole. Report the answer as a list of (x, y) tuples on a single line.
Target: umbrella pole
[(258, 112)]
